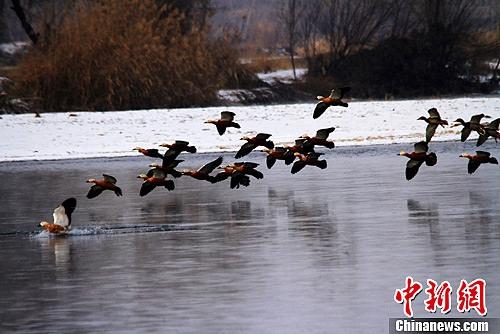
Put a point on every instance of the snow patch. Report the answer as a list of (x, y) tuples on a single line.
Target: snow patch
[(108, 134)]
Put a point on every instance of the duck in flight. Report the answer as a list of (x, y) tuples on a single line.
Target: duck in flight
[(225, 121), (252, 143), (279, 153), (481, 157), (320, 139), (203, 173), (490, 130), (237, 179), (62, 217), (473, 125), (335, 99), (417, 158), (149, 152), (155, 177), (311, 159), (108, 182), (433, 121), (177, 148), (168, 166)]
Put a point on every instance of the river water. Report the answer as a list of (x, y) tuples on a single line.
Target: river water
[(321, 251)]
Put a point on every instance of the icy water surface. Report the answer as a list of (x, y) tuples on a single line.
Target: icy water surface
[(316, 252)]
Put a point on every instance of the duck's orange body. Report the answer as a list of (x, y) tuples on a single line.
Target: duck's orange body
[(54, 228), (105, 184), (419, 156)]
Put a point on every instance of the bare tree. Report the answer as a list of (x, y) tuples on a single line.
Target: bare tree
[(18, 9), (288, 15), (308, 28)]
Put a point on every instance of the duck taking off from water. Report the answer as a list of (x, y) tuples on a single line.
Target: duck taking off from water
[(417, 158), (490, 130), (149, 152), (473, 125), (225, 121), (108, 182), (335, 99), (433, 121), (279, 153), (311, 159), (203, 173), (155, 177), (253, 142), (481, 157), (62, 217), (320, 139)]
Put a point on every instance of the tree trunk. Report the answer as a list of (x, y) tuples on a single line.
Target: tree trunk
[(18, 9)]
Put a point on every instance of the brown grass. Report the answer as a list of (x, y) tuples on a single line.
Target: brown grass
[(122, 54)]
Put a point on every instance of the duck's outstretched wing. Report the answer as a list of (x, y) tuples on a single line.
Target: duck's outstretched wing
[(421, 146), (238, 179), (146, 188), (270, 161), (320, 109), (433, 112), (297, 166), (324, 133), (109, 178), (483, 153), (221, 176), (430, 131), (209, 167), (220, 129), (412, 167), (472, 166), (94, 191), (476, 118), (170, 156), (227, 115), (262, 136), (62, 214), (481, 139), (465, 134), (244, 150)]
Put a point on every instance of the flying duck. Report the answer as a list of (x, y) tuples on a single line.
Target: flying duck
[(225, 121), (320, 139), (247, 168), (253, 142), (473, 125), (149, 152), (433, 121), (62, 217), (176, 148), (203, 173), (278, 153), (168, 167), (417, 158), (311, 159), (301, 146), (108, 182), (335, 99), (237, 178), (155, 177), (481, 157), (490, 130)]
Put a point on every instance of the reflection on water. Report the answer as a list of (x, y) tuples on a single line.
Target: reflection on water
[(308, 253)]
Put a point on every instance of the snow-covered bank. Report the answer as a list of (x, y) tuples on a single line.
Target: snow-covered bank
[(99, 134)]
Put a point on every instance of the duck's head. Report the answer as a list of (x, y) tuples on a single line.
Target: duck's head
[(154, 165), (142, 176), (91, 181), (165, 145), (211, 121), (266, 150), (464, 155), (137, 149), (186, 172), (44, 223), (245, 138), (422, 118), (401, 153)]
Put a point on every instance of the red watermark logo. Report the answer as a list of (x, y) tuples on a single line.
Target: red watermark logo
[(470, 296)]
